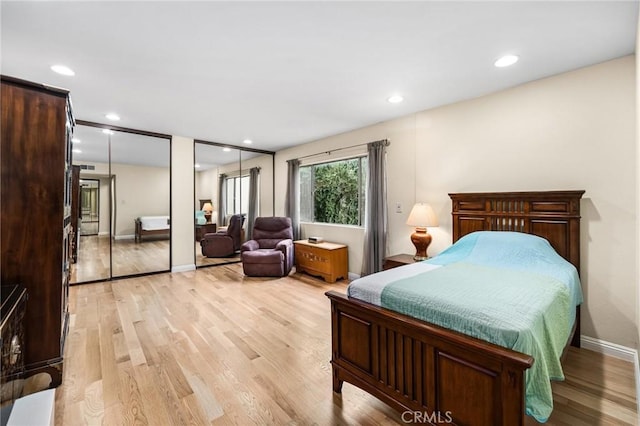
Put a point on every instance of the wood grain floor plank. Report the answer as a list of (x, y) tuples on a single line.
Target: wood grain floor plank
[(93, 371), (112, 415), (93, 404), (204, 399), (212, 347), (156, 411), (131, 397), (134, 349)]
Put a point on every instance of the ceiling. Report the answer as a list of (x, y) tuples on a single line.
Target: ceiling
[(285, 73), (96, 145)]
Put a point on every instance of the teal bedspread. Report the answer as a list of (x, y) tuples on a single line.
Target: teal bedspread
[(506, 288)]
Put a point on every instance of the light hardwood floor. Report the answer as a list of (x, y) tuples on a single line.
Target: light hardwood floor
[(214, 347), (129, 258)]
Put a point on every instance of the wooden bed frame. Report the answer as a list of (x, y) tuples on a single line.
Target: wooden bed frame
[(436, 373), (165, 233)]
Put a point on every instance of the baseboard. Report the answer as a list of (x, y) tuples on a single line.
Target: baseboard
[(607, 348), (183, 268), (617, 351), (124, 237)]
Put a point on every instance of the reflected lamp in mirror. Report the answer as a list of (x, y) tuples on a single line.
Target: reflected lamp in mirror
[(207, 208), (421, 217)]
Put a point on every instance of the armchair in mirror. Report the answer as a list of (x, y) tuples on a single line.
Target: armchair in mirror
[(235, 182)]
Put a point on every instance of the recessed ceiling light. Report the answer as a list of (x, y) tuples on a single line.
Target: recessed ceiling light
[(506, 60), (395, 99), (247, 141), (75, 140), (62, 69), (197, 166), (113, 117), (226, 149), (107, 131), (77, 151)]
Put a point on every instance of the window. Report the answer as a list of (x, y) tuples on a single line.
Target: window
[(237, 194), (334, 192)]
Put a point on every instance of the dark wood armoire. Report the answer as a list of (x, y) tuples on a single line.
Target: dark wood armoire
[(35, 202)]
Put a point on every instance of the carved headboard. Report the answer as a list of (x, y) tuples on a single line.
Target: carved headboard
[(554, 215)]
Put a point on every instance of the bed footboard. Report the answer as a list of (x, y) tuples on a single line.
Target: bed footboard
[(425, 371)]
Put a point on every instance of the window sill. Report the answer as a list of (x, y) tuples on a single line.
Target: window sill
[(332, 225)]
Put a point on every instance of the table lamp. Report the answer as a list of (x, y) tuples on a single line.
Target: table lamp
[(421, 216), (207, 208)]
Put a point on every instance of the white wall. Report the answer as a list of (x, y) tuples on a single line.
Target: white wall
[(140, 191), (103, 213), (207, 187), (182, 213), (571, 131)]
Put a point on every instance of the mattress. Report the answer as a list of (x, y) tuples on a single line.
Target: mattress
[(154, 223), (506, 288)]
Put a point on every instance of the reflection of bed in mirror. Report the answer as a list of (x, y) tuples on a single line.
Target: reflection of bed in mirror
[(152, 226)]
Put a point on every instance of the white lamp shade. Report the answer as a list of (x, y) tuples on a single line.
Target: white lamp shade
[(422, 215), (207, 207)]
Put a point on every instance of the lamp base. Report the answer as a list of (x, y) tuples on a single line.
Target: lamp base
[(207, 216), (421, 240)]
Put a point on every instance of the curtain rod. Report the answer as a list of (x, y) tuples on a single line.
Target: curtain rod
[(386, 141)]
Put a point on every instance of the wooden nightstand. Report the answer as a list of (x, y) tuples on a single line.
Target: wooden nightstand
[(328, 260), (205, 228), (397, 260)]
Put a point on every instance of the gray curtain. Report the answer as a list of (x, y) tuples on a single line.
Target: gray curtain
[(253, 200), (222, 199), (292, 200), (375, 228)]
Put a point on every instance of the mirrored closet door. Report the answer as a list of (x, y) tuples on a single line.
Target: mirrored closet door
[(123, 206), (141, 210), (91, 161), (214, 205), (238, 184)]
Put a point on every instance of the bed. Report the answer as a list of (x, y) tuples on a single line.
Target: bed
[(156, 226), (418, 366)]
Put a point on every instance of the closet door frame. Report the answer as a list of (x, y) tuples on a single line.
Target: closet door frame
[(111, 203)]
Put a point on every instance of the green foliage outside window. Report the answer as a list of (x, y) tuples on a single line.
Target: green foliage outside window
[(333, 192)]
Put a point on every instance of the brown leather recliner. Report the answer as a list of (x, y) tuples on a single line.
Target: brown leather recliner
[(226, 242), (270, 252)]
